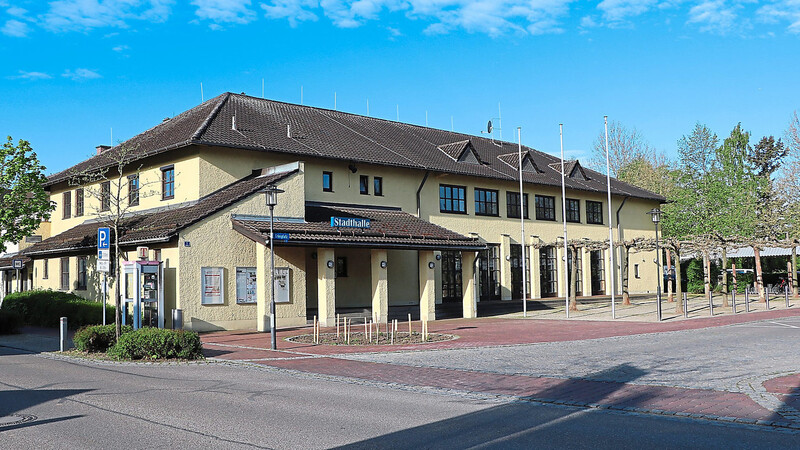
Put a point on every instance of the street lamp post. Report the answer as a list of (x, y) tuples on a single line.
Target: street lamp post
[(271, 193), (655, 214)]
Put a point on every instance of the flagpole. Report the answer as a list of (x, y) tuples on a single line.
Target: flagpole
[(564, 217), (522, 228), (610, 227)]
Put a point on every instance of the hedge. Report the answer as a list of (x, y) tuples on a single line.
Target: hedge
[(157, 343), (10, 322), (44, 308), (97, 338)]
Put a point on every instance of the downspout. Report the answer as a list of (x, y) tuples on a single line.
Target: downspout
[(619, 230), (419, 190)]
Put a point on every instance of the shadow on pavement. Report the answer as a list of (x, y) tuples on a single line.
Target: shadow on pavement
[(513, 424)]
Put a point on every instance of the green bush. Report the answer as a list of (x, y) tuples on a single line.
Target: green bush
[(156, 343), (97, 338), (44, 308), (10, 321), (694, 277)]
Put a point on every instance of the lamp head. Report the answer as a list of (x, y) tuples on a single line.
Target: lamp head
[(655, 214), (271, 193)]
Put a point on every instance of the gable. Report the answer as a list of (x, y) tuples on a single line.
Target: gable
[(461, 151)]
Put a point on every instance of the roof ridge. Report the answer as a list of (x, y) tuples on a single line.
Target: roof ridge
[(211, 116)]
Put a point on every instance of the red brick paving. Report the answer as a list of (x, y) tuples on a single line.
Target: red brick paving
[(784, 385), (493, 332), (569, 391)]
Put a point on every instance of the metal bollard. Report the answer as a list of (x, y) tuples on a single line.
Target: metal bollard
[(766, 297), (63, 337), (711, 302), (177, 319), (658, 306), (747, 300), (733, 299), (787, 295), (686, 305)]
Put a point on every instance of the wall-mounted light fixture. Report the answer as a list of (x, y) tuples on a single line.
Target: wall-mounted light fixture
[(329, 264), (383, 264), (431, 265), (508, 257)]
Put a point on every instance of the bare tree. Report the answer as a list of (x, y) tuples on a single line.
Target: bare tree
[(624, 147), (117, 188)]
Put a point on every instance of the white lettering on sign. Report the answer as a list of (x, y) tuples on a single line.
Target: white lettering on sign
[(349, 222)]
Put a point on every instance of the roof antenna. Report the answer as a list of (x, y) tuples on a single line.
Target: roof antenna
[(367, 106), (202, 97), (334, 100), (451, 123)]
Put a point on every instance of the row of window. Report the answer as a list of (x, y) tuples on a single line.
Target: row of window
[(167, 192), (363, 184), (453, 200)]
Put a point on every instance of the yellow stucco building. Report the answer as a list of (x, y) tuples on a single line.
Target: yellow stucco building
[(376, 216)]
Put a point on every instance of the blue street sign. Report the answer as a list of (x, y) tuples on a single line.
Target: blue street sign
[(103, 238), (281, 237)]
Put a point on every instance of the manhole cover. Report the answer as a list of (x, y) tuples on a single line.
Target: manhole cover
[(14, 419)]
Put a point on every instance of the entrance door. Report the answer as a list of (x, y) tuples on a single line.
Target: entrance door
[(516, 271), (451, 276), (597, 272), (490, 273), (548, 274)]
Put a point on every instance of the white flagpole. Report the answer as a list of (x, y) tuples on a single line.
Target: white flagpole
[(564, 217), (610, 227), (522, 228)]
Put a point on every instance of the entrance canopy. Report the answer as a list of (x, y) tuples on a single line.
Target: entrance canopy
[(327, 225)]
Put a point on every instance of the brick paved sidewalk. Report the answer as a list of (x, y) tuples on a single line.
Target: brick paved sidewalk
[(472, 333), (626, 395), (696, 403)]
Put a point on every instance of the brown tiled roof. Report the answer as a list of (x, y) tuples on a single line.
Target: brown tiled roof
[(389, 228), (7, 262), (304, 131), (157, 226)]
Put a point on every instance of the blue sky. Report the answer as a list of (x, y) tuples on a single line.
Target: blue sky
[(74, 69)]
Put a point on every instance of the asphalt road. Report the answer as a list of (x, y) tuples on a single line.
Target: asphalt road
[(55, 403)]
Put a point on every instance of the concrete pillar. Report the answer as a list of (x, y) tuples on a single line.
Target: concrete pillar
[(536, 280), (264, 290), (505, 268), (470, 301), (427, 286), (586, 267), (380, 286), (326, 287)]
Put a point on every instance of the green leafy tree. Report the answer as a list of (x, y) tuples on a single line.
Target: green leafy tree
[(24, 203)]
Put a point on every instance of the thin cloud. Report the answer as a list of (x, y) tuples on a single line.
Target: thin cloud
[(31, 76), (781, 11), (719, 16), (618, 12), (225, 11), (80, 74), (15, 28), (120, 48), (85, 15)]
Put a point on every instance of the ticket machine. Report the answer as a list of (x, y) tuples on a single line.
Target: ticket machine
[(144, 293)]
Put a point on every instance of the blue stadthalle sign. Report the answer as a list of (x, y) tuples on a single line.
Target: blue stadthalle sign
[(349, 222)]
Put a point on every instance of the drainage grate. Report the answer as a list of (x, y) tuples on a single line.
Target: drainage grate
[(15, 419)]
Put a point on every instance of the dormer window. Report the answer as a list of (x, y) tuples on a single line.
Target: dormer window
[(461, 151)]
